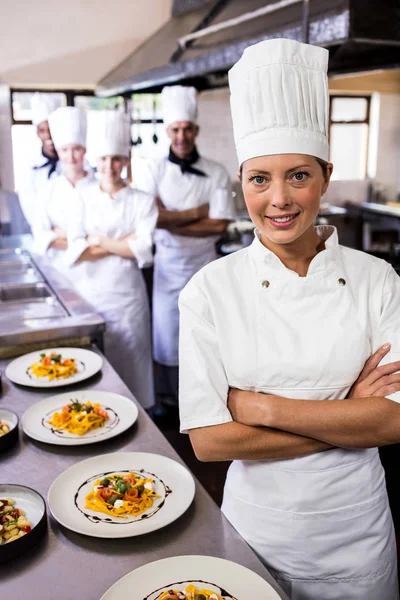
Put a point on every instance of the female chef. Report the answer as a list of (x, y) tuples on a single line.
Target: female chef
[(109, 240), (53, 210), (273, 332)]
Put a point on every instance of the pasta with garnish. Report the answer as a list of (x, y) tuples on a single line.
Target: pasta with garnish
[(122, 495), (53, 366), (191, 592), (79, 417)]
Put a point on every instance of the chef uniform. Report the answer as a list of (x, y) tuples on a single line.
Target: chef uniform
[(42, 167), (53, 201), (322, 522), (178, 257), (114, 285)]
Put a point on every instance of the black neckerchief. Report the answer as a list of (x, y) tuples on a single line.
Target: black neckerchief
[(186, 163), (50, 161)]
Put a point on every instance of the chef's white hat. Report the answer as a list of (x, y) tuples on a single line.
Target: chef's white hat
[(280, 100), (42, 105), (179, 103), (68, 126), (108, 133)]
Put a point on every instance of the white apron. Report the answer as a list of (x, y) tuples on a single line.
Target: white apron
[(178, 257), (321, 523), (114, 285)]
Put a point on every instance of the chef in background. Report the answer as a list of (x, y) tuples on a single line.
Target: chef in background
[(53, 200), (195, 206), (45, 165), (110, 238)]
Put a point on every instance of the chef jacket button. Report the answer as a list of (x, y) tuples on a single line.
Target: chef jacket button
[(265, 283), (341, 281)]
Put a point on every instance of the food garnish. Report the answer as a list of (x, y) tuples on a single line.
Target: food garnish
[(79, 417), (53, 366), (122, 495)]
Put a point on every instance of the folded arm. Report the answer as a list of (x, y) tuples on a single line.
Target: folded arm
[(203, 228), (235, 441), (169, 219), (112, 246)]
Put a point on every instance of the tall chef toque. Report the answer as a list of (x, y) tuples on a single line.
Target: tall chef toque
[(68, 126), (280, 100), (108, 133), (42, 105), (179, 103)]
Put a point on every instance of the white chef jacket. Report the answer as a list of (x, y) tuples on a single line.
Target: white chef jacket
[(35, 177), (53, 209), (320, 522), (114, 285), (181, 191), (178, 257)]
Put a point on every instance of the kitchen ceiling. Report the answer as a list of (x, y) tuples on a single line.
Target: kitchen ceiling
[(72, 43)]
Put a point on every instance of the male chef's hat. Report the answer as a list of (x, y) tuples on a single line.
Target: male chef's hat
[(42, 105), (179, 103), (279, 100), (68, 126), (108, 133)]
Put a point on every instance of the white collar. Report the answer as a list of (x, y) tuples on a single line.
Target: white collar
[(264, 257)]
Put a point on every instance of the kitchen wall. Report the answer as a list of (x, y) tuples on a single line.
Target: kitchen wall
[(216, 135), (388, 144)]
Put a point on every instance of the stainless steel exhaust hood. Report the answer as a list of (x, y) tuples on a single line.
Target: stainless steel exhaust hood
[(204, 38)]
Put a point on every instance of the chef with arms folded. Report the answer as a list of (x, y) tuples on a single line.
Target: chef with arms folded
[(195, 206), (53, 201), (110, 239), (289, 351), (45, 166)]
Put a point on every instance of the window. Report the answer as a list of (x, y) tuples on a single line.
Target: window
[(149, 137), (26, 144), (349, 133)]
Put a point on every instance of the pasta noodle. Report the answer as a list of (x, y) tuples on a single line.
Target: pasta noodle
[(53, 367), (122, 495), (191, 592), (79, 418)]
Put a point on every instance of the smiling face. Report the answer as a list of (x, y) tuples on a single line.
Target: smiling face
[(110, 168), (283, 193), (71, 157), (183, 135)]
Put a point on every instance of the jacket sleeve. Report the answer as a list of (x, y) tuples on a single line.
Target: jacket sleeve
[(222, 205), (145, 177), (76, 231), (389, 322), (42, 231), (141, 241), (203, 386)]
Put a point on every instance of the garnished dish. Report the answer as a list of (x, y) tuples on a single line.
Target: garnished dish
[(194, 591), (13, 523), (79, 417), (53, 366), (4, 428), (122, 495), (192, 578)]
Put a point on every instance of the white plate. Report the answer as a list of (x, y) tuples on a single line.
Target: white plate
[(87, 362), (173, 482), (150, 580), (122, 413)]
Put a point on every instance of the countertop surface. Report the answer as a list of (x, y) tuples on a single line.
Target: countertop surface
[(66, 565)]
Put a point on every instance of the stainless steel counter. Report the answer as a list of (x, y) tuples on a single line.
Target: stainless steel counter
[(67, 565), (38, 303)]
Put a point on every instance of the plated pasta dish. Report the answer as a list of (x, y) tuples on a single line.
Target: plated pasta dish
[(79, 417), (13, 522), (193, 592), (122, 495), (53, 366)]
